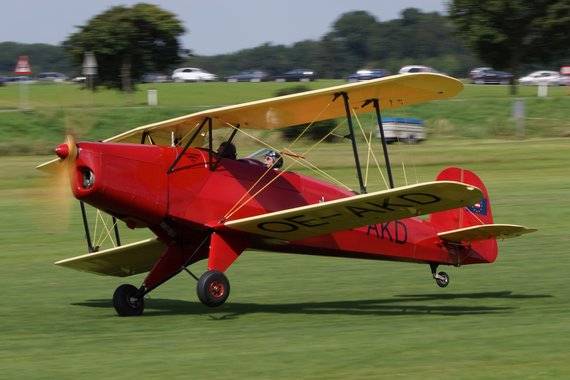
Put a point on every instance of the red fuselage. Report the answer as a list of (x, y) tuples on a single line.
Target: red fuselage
[(131, 183)]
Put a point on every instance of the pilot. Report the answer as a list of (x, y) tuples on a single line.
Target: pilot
[(273, 160), (227, 150)]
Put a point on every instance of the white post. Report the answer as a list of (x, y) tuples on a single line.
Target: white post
[(542, 89), (518, 114), (152, 96), (24, 105)]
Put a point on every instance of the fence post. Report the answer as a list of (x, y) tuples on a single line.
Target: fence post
[(518, 114), (152, 96)]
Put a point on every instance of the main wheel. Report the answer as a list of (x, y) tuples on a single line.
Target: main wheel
[(443, 279), (213, 288), (127, 301)]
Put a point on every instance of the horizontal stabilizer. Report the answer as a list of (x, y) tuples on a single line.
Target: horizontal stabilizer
[(484, 232), (360, 210), (122, 261)]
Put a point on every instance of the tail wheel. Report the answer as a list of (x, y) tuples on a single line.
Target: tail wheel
[(442, 279), (128, 301), (213, 288)]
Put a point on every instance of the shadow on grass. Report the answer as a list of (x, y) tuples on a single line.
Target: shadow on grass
[(397, 305)]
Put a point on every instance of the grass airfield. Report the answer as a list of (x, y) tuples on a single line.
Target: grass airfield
[(306, 317)]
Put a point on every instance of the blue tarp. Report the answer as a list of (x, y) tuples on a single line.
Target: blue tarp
[(401, 120)]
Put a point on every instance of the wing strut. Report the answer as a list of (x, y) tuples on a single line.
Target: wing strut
[(90, 247), (206, 119), (352, 139), (376, 104), (221, 152)]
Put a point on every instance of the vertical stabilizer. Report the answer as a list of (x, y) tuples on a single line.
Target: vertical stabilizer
[(474, 215)]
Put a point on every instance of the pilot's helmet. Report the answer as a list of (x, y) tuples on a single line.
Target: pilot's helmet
[(275, 158), (228, 150)]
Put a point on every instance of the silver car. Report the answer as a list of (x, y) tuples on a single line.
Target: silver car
[(192, 74)]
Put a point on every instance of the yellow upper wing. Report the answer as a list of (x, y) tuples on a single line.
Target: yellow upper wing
[(360, 210), (285, 111), (281, 112)]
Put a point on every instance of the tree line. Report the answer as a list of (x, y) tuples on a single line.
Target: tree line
[(357, 40)]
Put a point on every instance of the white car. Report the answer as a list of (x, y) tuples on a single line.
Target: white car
[(417, 69), (550, 78), (192, 74)]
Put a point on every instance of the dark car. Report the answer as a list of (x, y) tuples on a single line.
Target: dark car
[(248, 76), (367, 74), (52, 77), (490, 76), (298, 75)]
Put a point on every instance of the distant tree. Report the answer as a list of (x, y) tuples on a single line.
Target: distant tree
[(508, 33), (128, 42)]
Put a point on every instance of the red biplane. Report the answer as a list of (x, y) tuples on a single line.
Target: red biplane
[(202, 204)]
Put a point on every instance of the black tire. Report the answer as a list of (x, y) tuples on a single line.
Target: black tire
[(127, 301), (443, 281), (213, 288)]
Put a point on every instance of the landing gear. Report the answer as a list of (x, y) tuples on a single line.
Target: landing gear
[(441, 278), (128, 301), (213, 288)]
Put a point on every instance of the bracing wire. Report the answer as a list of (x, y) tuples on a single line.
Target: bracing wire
[(105, 233), (370, 150), (294, 157)]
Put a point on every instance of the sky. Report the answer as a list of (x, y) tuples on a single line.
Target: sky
[(213, 26)]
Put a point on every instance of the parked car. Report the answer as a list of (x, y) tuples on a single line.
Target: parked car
[(474, 72), (367, 74), (248, 76), (297, 75), (192, 74), (51, 77), (550, 78), (490, 76), (565, 80), (21, 79), (80, 79), (155, 78), (417, 69)]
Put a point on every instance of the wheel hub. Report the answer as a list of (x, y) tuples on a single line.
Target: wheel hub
[(217, 289)]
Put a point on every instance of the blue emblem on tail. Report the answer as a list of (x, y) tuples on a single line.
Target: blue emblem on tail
[(479, 208)]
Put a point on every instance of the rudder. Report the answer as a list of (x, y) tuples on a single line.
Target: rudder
[(475, 215)]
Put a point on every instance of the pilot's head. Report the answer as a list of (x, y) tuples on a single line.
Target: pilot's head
[(227, 150), (273, 159)]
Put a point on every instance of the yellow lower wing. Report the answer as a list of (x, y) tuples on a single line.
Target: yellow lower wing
[(485, 231), (122, 261), (360, 210)]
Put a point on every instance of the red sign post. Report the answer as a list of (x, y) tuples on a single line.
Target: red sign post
[(23, 66)]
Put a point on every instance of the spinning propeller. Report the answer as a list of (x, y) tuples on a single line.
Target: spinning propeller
[(52, 196)]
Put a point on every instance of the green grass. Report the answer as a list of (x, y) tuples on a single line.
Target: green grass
[(292, 317)]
